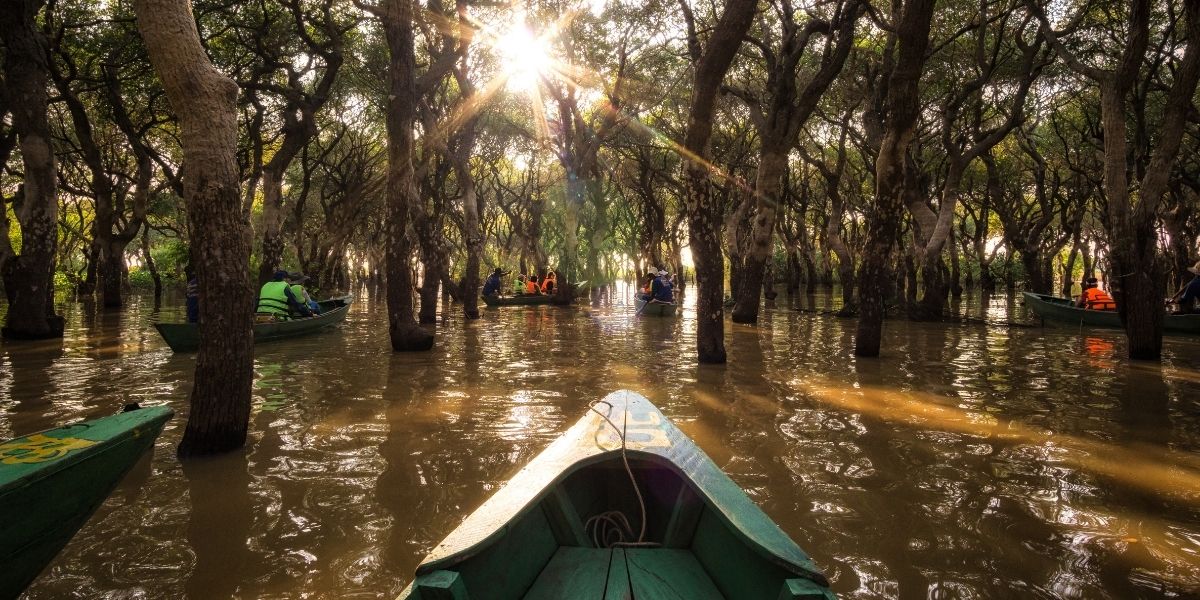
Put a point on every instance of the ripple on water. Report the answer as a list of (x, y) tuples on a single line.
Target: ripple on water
[(968, 462)]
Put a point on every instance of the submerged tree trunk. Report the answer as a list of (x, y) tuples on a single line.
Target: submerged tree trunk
[(892, 175), (405, 333), (205, 102), (29, 276), (704, 212)]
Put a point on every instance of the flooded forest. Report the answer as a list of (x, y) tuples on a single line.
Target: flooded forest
[(600, 299)]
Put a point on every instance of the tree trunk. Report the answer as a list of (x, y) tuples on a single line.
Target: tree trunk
[(29, 276), (271, 252), (150, 266), (703, 210), (772, 165), (205, 102), (405, 334), (891, 172)]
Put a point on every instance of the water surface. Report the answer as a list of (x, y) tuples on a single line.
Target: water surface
[(970, 461)]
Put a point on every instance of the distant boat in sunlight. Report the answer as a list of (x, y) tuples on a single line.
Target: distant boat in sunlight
[(1064, 312), (185, 337), (655, 308), (51, 482), (622, 505)]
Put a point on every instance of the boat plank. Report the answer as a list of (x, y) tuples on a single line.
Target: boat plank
[(573, 572), (441, 585), (668, 574), (618, 577)]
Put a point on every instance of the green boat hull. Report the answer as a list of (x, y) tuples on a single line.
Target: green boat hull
[(544, 534), (654, 309), (52, 481), (185, 337), (1062, 311), (520, 300)]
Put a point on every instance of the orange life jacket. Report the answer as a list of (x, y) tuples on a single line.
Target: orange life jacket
[(531, 287), (548, 285), (1096, 299)]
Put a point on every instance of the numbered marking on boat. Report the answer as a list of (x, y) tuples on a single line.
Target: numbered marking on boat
[(641, 431), (39, 448)]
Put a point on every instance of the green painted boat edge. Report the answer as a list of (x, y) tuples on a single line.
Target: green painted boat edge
[(522, 300), (655, 309), (1060, 310), (577, 449), (90, 472), (101, 430), (185, 337)]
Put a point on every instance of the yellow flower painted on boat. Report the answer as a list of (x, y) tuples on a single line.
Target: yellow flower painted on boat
[(39, 448)]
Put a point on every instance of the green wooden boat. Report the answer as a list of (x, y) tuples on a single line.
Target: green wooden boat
[(654, 308), (518, 300), (185, 337), (1063, 311), (51, 482), (572, 524)]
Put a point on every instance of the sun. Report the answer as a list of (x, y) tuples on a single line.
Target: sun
[(525, 57)]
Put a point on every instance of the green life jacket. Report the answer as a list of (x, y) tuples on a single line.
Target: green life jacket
[(298, 292), (273, 300)]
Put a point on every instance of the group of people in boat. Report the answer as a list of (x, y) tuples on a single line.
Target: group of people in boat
[(524, 285), (1094, 298), (657, 287), (284, 298)]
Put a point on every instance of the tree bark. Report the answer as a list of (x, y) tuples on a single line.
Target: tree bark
[(892, 175), (405, 334), (205, 101), (29, 276), (704, 212)]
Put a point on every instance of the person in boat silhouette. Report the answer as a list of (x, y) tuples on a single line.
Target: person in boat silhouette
[(1094, 298), (1187, 295), (491, 287)]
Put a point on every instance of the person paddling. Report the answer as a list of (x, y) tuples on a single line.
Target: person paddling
[(491, 287), (1187, 295), (1094, 298)]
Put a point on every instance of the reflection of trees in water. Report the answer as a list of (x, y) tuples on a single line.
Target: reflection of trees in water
[(219, 526)]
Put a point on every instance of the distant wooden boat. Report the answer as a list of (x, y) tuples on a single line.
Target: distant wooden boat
[(1064, 312), (654, 308), (571, 525), (185, 337), (518, 300), (52, 481)]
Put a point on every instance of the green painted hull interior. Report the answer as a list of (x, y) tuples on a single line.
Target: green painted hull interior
[(655, 309), (44, 502), (704, 537), (1062, 311), (185, 337)]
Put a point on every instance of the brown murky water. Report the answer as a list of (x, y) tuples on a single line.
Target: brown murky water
[(970, 462)]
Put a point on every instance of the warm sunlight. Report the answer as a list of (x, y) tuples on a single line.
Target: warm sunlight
[(525, 56)]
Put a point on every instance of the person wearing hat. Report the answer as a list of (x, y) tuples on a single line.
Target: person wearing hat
[(491, 287), (661, 289), (1094, 298), (277, 299), (297, 281), (1190, 292)]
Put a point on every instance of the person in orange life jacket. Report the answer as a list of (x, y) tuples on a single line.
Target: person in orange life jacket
[(549, 283), (531, 285), (1094, 298), (647, 283)]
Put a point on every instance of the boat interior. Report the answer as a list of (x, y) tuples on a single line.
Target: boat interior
[(581, 540)]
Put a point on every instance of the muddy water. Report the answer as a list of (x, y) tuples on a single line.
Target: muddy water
[(971, 461)]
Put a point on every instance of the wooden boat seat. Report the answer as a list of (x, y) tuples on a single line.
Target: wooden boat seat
[(623, 573)]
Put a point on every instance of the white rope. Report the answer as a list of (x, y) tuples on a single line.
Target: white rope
[(605, 524)]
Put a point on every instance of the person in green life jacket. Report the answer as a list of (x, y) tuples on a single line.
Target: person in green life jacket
[(277, 299), (297, 281)]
